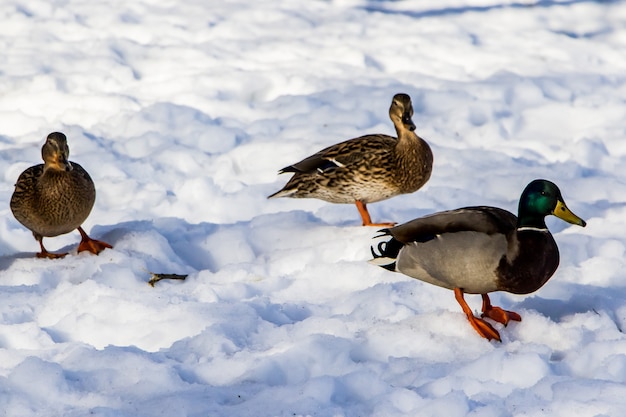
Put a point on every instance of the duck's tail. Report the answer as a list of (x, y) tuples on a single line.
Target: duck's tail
[(388, 251), (283, 193)]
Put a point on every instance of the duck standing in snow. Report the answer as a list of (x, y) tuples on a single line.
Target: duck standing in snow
[(55, 197), (366, 169), (478, 250)]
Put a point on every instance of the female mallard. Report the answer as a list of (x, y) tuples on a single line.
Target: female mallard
[(478, 250), (55, 197), (366, 169)]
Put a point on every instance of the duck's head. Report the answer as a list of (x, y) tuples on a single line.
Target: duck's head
[(55, 152), (539, 199), (401, 111)]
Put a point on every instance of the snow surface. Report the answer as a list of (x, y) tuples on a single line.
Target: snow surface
[(183, 112)]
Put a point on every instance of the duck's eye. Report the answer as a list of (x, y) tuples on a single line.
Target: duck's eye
[(543, 193)]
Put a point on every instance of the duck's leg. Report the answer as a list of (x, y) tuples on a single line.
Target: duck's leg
[(44, 253), (481, 326), (497, 313), (367, 220), (92, 245)]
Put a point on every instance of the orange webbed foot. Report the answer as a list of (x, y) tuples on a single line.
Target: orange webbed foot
[(44, 252), (92, 245), (498, 314), (388, 224), (367, 220), (49, 255), (483, 328)]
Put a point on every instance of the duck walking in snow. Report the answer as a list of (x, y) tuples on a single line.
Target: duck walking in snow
[(367, 169), (478, 250), (55, 197)]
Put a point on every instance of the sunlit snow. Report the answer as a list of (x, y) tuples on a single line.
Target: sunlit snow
[(183, 112)]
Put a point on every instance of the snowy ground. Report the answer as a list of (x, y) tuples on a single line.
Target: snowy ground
[(183, 112)]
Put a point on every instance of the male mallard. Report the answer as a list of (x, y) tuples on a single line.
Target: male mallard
[(478, 250), (55, 197), (366, 169)]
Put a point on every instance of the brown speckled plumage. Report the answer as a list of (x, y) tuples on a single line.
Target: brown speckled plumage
[(365, 169), (55, 203), (55, 197)]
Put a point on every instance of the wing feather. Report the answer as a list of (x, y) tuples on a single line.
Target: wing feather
[(341, 154), (481, 219)]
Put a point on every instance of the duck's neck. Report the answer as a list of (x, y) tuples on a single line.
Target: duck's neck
[(407, 138), (525, 221), (51, 169), (411, 147), (401, 128)]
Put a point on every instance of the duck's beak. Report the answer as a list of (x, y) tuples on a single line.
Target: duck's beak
[(407, 121), (562, 212), (64, 164)]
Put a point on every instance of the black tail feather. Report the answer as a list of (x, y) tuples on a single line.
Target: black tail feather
[(290, 168), (389, 267), (387, 249)]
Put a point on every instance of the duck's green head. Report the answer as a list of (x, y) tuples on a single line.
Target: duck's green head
[(55, 152), (539, 199), (401, 111)]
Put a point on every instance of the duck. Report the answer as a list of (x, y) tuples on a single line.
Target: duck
[(55, 197), (366, 169), (479, 250)]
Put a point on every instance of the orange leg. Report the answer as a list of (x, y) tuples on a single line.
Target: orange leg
[(481, 326), (498, 314), (44, 253), (92, 245), (367, 220)]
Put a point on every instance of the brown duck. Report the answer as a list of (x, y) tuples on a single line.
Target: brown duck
[(366, 169), (478, 250), (55, 197)]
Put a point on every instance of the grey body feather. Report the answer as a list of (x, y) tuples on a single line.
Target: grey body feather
[(466, 260)]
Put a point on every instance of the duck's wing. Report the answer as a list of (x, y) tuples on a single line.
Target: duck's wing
[(342, 154), (480, 219), (451, 249), (28, 178)]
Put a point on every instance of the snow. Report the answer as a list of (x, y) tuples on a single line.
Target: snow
[(183, 112)]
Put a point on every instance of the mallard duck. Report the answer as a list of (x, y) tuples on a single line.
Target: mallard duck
[(478, 250), (55, 197), (367, 169)]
